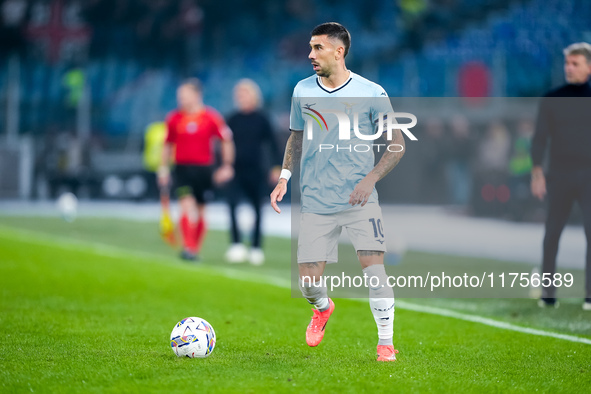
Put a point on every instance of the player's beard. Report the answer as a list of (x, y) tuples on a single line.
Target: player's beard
[(323, 73)]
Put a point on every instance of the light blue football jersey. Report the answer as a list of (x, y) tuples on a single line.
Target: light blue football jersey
[(329, 175)]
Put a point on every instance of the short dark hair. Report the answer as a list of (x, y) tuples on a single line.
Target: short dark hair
[(334, 30), (193, 83)]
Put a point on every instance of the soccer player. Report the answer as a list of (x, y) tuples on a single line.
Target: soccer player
[(337, 187), (192, 129)]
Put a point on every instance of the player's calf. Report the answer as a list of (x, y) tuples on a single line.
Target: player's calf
[(381, 302)]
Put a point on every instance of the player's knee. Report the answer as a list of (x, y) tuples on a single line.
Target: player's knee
[(313, 270)]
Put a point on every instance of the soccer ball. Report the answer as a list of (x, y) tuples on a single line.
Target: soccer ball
[(192, 337), (67, 204)]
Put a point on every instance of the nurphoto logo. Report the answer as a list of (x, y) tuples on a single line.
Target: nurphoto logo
[(387, 121)]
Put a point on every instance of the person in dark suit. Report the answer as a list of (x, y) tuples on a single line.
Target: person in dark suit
[(564, 123), (252, 131)]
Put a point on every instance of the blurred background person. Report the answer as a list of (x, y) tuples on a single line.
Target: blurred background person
[(252, 131), (433, 162), (563, 123), (491, 190), (14, 17), (458, 168), (154, 137), (66, 165), (494, 149), (520, 166), (192, 129)]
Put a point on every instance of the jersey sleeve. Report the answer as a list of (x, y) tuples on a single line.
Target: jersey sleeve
[(171, 122), (296, 121), (380, 104), (221, 129)]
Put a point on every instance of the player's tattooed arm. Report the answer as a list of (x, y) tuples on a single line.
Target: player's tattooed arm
[(291, 159), (293, 151), (390, 159)]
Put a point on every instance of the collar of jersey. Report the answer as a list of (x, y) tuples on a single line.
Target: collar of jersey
[(327, 90)]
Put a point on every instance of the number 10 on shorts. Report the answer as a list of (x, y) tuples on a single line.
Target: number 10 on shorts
[(377, 227)]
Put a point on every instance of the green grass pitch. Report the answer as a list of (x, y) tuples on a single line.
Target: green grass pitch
[(89, 306)]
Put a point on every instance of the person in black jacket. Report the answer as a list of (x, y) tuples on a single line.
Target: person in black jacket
[(252, 130), (564, 122)]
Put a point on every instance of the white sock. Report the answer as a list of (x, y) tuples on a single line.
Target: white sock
[(317, 294), (381, 302)]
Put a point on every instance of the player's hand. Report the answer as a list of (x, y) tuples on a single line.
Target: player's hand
[(538, 187), (278, 193), (362, 191), (223, 174)]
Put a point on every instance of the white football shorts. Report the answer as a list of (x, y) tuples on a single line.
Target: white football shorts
[(319, 233)]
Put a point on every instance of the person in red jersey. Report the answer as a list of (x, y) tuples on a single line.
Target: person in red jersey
[(192, 130)]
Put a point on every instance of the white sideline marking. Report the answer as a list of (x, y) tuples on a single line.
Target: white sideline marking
[(458, 315), (114, 251), (489, 322)]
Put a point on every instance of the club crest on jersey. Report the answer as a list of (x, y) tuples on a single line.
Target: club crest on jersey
[(191, 127), (348, 107)]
